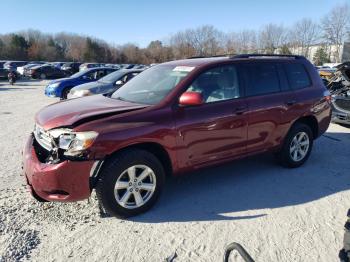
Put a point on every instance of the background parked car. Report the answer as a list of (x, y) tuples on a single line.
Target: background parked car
[(4, 73), (21, 69), (14, 64), (58, 64), (71, 67), (61, 87), (86, 66), (45, 72), (106, 84)]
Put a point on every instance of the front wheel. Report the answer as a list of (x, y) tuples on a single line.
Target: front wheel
[(65, 93), (130, 183), (42, 76), (297, 146)]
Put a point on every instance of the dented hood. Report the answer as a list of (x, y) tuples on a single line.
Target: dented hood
[(75, 111)]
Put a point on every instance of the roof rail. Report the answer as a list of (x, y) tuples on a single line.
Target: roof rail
[(222, 55), (267, 56)]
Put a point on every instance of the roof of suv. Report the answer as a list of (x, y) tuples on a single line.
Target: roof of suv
[(198, 61)]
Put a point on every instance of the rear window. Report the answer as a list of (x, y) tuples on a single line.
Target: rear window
[(297, 76), (263, 79)]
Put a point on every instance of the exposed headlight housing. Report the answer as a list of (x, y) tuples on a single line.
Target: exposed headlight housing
[(80, 93), (73, 143)]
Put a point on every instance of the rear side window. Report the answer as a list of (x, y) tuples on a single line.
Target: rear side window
[(297, 76), (263, 79)]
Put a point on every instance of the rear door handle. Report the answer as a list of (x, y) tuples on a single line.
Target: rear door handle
[(240, 110), (291, 102)]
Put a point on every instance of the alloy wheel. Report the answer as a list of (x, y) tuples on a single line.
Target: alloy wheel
[(299, 146), (135, 186)]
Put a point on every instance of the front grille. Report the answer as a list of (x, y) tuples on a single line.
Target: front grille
[(42, 137), (343, 104), (42, 154)]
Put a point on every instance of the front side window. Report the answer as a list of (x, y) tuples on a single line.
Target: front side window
[(297, 76), (153, 85), (217, 84), (263, 79)]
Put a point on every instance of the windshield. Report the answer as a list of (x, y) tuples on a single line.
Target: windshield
[(110, 78), (79, 74), (152, 85)]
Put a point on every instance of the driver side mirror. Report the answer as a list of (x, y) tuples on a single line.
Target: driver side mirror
[(191, 99)]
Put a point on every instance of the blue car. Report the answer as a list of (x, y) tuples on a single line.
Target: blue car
[(61, 87)]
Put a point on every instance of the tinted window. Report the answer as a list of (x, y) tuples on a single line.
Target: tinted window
[(263, 79), (297, 76), (220, 83)]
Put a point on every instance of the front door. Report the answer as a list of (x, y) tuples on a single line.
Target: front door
[(217, 129)]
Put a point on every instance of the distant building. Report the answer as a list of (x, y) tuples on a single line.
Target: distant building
[(331, 50)]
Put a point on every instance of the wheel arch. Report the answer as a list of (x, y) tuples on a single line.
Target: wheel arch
[(310, 121), (154, 148), (64, 88)]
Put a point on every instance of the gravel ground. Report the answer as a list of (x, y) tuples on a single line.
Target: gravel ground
[(277, 214)]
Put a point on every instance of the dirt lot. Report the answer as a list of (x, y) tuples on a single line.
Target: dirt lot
[(277, 214)]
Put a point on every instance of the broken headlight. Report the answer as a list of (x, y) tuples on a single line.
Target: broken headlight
[(71, 142)]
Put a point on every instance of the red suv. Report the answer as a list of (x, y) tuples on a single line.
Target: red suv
[(174, 118)]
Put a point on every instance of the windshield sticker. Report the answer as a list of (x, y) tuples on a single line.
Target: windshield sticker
[(183, 68)]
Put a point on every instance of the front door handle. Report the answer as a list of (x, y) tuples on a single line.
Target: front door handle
[(240, 110), (291, 102)]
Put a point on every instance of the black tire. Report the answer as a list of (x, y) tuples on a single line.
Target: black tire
[(65, 93), (284, 156), (114, 168), (42, 76)]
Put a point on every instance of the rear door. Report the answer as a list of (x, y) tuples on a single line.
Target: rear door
[(269, 100), (217, 129)]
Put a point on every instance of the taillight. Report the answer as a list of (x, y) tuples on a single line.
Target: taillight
[(327, 96)]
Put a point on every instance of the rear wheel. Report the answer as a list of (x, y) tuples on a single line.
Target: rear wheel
[(130, 183), (42, 76), (297, 146)]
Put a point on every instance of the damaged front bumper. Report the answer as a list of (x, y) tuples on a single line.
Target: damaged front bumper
[(64, 181)]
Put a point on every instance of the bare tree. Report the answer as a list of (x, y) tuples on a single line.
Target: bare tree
[(335, 26), (304, 34), (202, 41), (242, 42), (271, 37)]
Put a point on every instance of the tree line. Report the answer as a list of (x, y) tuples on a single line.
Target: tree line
[(332, 30)]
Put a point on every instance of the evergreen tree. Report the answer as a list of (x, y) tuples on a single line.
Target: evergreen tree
[(321, 56), (18, 47)]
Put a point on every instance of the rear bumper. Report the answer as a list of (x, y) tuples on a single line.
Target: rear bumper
[(65, 182)]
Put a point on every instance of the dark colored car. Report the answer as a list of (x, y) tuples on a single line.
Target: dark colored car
[(61, 87), (86, 66), (171, 119), (25, 70), (45, 72), (4, 73), (71, 67), (106, 84)]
